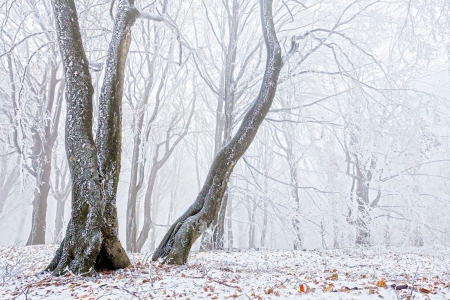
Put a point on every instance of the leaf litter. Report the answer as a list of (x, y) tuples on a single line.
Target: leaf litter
[(356, 273)]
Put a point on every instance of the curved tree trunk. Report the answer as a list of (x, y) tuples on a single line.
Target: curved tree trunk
[(176, 244), (91, 240)]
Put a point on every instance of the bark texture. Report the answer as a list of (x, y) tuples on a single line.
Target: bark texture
[(176, 244), (91, 240)]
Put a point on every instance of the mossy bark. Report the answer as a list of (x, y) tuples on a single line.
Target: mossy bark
[(177, 243)]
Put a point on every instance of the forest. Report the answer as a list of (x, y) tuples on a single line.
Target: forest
[(151, 133)]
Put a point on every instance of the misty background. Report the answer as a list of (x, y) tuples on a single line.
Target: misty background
[(355, 149)]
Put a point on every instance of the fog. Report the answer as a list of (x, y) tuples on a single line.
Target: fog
[(354, 150)]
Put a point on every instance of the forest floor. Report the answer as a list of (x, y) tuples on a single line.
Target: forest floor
[(364, 273)]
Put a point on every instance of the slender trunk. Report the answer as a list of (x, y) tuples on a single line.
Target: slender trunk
[(387, 231), (264, 196), (134, 187), (7, 181), (153, 228), (230, 223), (59, 220), (264, 227), (252, 231), (364, 220), (148, 223), (38, 219), (292, 162), (137, 165), (177, 243), (43, 149)]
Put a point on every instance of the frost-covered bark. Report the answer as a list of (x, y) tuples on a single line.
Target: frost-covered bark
[(137, 165), (160, 158), (229, 91), (91, 239), (109, 132), (176, 244), (43, 145), (7, 180)]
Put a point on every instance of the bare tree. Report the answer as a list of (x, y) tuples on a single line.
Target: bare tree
[(177, 242), (94, 166)]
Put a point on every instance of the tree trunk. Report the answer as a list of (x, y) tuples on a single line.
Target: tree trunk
[(176, 244), (43, 148), (134, 187), (59, 221), (148, 223), (292, 161), (230, 223), (39, 214), (137, 166), (364, 219), (91, 240), (7, 181)]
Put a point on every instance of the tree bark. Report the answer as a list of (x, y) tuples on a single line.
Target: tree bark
[(176, 244), (364, 219), (91, 240), (137, 165)]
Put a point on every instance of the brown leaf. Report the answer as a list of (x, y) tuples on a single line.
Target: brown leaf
[(334, 276), (381, 283), (328, 289), (424, 291)]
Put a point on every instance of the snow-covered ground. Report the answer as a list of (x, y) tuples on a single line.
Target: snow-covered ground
[(247, 274)]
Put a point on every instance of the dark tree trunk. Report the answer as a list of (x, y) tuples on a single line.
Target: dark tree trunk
[(177, 243), (91, 240)]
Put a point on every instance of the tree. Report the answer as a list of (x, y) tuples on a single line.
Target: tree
[(91, 240), (95, 166), (177, 242), (148, 135), (34, 91)]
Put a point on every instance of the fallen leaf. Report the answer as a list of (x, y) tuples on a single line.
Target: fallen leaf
[(328, 289), (424, 291), (382, 283), (334, 276)]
